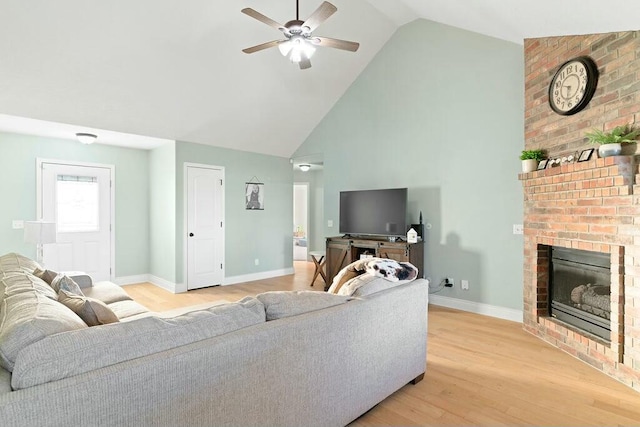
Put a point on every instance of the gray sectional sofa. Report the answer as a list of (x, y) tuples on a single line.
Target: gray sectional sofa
[(279, 359)]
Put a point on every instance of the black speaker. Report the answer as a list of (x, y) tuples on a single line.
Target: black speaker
[(419, 229)]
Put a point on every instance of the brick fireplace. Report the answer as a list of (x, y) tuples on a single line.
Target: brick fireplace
[(592, 205)]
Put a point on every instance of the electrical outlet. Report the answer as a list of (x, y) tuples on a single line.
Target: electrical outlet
[(451, 280), (256, 261), (330, 223), (464, 284), (17, 224), (518, 229)]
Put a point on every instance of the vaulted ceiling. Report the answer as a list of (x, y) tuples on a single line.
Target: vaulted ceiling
[(175, 70)]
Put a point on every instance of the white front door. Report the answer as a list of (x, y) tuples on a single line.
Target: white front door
[(78, 198), (205, 232)]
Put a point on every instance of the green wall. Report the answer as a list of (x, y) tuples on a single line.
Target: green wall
[(265, 235), (149, 203), (18, 154), (439, 110), (162, 213)]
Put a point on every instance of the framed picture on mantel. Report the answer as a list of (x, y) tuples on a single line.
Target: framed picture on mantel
[(542, 164), (585, 155)]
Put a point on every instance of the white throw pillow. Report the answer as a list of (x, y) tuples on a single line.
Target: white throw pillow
[(63, 282)]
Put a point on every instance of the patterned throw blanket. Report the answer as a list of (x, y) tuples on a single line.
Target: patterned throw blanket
[(387, 269)]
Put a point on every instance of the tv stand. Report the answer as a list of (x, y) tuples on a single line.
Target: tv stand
[(342, 251)]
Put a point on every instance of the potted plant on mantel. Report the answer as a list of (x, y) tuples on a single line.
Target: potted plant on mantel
[(611, 142), (530, 159)]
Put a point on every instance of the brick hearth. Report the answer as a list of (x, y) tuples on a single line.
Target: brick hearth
[(593, 205)]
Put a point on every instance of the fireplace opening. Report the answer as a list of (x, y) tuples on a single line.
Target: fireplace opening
[(580, 289)]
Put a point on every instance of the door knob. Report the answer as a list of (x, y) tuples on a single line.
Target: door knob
[(190, 234)]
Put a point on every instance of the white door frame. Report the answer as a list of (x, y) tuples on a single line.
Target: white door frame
[(112, 196), (183, 287)]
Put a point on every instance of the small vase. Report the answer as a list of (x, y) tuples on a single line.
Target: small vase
[(529, 165), (607, 150)]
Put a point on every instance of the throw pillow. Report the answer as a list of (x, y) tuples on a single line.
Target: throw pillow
[(46, 275), (279, 304), (63, 282), (94, 312)]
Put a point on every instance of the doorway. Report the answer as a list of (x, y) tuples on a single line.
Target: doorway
[(79, 198), (300, 221), (204, 225)]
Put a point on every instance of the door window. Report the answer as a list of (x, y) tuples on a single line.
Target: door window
[(77, 207)]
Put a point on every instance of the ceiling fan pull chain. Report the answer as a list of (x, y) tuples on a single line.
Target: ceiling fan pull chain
[(297, 10)]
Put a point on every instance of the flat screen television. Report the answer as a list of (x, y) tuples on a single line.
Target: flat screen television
[(374, 212)]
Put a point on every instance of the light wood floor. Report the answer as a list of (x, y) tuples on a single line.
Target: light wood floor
[(480, 370)]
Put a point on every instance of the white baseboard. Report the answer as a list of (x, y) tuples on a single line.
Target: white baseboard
[(148, 278), (477, 307), (162, 283), (129, 280), (182, 287), (257, 276)]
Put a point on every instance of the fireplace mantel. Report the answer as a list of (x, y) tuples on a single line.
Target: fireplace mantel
[(594, 206)]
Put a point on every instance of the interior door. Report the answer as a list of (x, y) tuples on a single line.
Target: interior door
[(78, 199), (205, 232)]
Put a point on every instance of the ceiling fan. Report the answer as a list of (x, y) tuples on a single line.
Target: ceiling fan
[(299, 43)]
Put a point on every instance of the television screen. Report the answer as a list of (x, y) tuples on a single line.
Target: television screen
[(374, 212)]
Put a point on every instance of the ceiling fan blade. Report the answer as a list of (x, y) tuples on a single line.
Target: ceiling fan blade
[(322, 13), (336, 43), (305, 63), (262, 46), (260, 17)]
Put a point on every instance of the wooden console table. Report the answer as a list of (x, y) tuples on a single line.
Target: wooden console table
[(342, 251)]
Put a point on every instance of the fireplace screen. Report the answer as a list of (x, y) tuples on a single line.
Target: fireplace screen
[(580, 289)]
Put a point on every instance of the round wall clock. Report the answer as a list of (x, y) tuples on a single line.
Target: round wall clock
[(573, 85)]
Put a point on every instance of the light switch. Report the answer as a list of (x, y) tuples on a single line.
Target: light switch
[(17, 224)]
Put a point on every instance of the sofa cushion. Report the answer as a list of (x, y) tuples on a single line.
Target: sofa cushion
[(62, 282), (92, 311), (101, 346), (25, 282), (279, 304), (27, 317), (13, 262), (125, 309), (365, 285), (106, 292)]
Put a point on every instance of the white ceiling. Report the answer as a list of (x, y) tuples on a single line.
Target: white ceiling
[(174, 70)]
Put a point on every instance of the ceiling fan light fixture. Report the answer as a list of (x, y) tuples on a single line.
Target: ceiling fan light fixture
[(305, 167), (285, 48), (86, 138), (297, 48)]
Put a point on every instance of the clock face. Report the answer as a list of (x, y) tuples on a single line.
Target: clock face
[(573, 86)]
